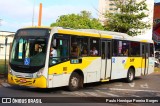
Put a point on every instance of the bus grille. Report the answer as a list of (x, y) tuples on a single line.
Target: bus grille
[(24, 81)]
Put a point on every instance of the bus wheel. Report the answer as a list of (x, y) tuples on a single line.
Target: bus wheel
[(75, 82), (130, 75)]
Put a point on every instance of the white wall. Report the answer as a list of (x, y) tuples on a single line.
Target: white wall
[(2, 47), (148, 32)]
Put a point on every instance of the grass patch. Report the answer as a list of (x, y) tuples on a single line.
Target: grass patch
[(2, 66)]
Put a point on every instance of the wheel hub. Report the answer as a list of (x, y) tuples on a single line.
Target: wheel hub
[(74, 82), (130, 75)]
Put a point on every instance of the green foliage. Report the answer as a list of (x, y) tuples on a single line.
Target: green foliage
[(2, 66), (78, 21), (128, 18)]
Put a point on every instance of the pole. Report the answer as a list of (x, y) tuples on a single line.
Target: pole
[(40, 15), (33, 13), (5, 68)]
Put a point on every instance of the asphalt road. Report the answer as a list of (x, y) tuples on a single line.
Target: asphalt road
[(145, 86)]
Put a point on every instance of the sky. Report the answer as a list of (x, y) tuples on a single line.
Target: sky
[(156, 1), (15, 14)]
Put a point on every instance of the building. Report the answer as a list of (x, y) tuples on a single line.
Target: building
[(104, 6), (108, 5), (156, 26), (6, 38)]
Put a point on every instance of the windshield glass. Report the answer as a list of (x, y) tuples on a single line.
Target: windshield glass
[(29, 51)]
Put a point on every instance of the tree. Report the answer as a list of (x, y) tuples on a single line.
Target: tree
[(128, 18), (78, 21)]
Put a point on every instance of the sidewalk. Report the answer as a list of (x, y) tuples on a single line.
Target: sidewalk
[(3, 78)]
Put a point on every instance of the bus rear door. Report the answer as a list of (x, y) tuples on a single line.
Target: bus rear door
[(106, 60), (145, 55)]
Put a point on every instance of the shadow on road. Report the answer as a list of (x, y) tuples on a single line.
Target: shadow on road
[(89, 86)]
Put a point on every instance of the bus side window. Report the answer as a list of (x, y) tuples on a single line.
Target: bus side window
[(94, 47), (115, 48), (151, 50), (79, 46), (134, 48), (74, 47), (61, 47)]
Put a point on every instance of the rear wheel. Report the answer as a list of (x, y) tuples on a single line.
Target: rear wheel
[(130, 75), (75, 82)]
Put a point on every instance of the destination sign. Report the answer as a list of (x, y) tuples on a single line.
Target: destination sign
[(33, 32)]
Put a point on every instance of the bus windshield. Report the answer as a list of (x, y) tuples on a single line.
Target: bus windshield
[(28, 52)]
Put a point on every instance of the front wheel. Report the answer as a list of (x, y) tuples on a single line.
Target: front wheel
[(75, 82), (130, 75)]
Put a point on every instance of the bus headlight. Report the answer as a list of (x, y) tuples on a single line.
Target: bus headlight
[(40, 73), (10, 71)]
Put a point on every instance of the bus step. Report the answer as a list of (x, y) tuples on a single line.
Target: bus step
[(104, 80)]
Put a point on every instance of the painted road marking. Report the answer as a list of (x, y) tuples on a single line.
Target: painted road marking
[(79, 93), (93, 94), (144, 85), (106, 93), (74, 93), (135, 90), (5, 84), (134, 95), (132, 84), (67, 93)]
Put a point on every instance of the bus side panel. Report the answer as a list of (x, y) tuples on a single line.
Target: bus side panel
[(92, 71), (59, 74), (120, 66), (151, 65)]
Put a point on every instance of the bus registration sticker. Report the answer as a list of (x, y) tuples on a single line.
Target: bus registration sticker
[(27, 61)]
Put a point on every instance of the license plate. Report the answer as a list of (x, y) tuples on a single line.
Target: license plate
[(23, 80)]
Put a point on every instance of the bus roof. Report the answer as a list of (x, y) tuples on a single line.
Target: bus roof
[(91, 33), (98, 33), (40, 27)]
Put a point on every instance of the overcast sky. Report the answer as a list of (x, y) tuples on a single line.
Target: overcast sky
[(18, 13)]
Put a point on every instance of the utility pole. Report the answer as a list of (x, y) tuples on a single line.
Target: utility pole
[(5, 68), (40, 15), (33, 13)]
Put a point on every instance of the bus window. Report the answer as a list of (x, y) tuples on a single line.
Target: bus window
[(75, 47), (79, 46), (151, 50), (125, 48), (135, 49), (121, 48), (59, 50), (115, 48), (94, 47)]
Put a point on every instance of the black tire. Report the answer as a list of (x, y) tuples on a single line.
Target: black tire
[(130, 75), (75, 82)]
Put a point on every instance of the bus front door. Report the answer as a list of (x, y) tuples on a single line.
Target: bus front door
[(144, 53), (106, 60)]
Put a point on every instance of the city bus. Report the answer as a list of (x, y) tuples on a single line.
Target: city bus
[(44, 57)]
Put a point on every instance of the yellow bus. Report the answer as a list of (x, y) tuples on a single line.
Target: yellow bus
[(55, 57)]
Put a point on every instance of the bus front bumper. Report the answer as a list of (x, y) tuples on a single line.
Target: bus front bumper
[(40, 82)]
